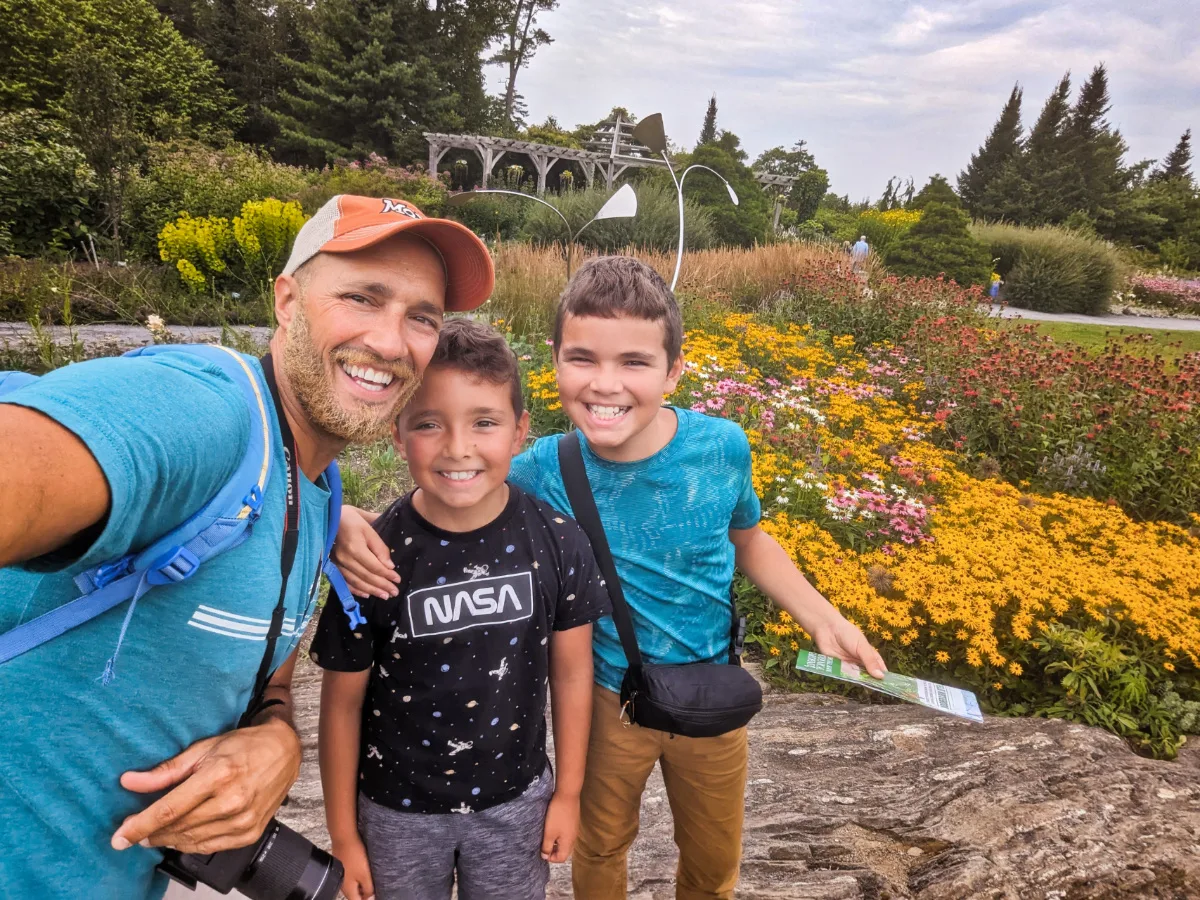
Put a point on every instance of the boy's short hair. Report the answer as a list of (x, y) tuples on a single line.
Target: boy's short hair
[(612, 286), (479, 350)]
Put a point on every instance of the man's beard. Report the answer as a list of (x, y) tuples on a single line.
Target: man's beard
[(312, 383)]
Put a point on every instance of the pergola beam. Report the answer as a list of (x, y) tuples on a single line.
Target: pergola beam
[(544, 156)]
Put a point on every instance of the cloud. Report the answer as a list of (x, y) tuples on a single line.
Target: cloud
[(875, 87)]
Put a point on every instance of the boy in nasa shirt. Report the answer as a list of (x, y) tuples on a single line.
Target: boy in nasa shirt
[(433, 731)]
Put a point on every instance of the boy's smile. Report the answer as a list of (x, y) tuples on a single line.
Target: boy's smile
[(459, 435), (612, 376)]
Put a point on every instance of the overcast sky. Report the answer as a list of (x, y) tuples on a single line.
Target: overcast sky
[(876, 87)]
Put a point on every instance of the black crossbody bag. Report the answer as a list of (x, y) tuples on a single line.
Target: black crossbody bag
[(692, 700)]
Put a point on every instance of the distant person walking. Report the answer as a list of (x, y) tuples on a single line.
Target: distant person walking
[(859, 253)]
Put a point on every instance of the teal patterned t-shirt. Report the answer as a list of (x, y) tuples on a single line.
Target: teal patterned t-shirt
[(667, 519)]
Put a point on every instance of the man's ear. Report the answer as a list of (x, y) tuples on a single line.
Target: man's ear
[(522, 433), (287, 294)]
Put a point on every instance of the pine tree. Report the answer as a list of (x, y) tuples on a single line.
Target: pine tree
[(1178, 164), (383, 71), (1096, 153), (941, 244), (708, 133), (1002, 146), (519, 42), (937, 191), (1045, 166)]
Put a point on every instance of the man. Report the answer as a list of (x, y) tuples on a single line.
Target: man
[(859, 253), (120, 734)]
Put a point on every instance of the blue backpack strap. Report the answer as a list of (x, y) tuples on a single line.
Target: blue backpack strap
[(223, 522), (333, 480)]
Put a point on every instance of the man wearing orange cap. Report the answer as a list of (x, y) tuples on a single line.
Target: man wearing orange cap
[(120, 734)]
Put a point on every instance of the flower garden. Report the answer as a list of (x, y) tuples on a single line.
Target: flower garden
[(995, 511)]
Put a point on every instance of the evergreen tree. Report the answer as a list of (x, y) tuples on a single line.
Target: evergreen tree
[(1045, 166), (382, 72), (941, 244), (1003, 145), (708, 133), (937, 191), (1099, 177), (1178, 164), (251, 42), (745, 223)]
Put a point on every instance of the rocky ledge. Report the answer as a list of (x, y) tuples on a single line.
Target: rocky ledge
[(853, 802)]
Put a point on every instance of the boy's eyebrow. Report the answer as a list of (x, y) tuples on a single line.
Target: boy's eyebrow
[(484, 410), (638, 354)]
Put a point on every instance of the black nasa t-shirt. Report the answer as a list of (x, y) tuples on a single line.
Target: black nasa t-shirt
[(454, 714)]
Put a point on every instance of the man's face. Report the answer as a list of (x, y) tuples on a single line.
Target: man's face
[(612, 377), (360, 328)]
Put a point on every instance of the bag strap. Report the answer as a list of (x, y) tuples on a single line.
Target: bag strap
[(287, 556), (583, 504)]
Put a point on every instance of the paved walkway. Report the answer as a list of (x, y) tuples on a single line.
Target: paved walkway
[(1114, 321)]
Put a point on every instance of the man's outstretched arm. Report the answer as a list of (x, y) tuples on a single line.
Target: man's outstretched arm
[(51, 485)]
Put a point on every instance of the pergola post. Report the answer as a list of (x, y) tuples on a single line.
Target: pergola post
[(436, 152), (543, 162), (589, 171)]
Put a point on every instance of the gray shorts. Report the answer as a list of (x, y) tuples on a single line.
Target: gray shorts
[(495, 853)]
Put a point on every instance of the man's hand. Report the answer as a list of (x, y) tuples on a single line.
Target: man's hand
[(362, 556), (357, 883), (840, 638), (562, 827), (229, 786)]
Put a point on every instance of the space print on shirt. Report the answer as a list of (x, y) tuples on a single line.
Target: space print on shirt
[(454, 715)]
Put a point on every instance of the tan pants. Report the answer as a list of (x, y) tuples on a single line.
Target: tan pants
[(706, 787)]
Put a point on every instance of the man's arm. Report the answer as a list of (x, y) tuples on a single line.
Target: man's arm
[(52, 486), (226, 788), (340, 737), (571, 712), (768, 566)]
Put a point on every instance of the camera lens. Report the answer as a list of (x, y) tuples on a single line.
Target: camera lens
[(288, 867)]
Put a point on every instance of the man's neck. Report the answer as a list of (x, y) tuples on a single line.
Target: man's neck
[(315, 449)]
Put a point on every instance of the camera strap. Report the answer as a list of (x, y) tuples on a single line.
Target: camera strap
[(291, 538)]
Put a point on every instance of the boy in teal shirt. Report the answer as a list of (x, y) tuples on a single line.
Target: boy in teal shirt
[(675, 493)]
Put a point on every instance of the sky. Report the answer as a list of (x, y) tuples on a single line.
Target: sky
[(876, 87)]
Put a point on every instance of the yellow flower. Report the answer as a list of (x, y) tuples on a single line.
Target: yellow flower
[(1170, 667), (997, 685), (775, 651), (942, 656), (1014, 668)]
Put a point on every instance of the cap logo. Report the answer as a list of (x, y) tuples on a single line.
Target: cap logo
[(395, 206)]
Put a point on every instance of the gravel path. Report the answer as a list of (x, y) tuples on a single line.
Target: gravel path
[(1161, 324)]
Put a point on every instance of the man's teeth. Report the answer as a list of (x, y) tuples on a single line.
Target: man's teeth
[(460, 476), (607, 412), (371, 379)]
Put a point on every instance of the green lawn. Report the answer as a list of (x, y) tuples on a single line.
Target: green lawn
[(1147, 341)]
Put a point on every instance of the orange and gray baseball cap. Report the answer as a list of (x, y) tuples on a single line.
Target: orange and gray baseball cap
[(348, 223)]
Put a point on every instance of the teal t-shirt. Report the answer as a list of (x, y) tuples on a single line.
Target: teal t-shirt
[(667, 519), (167, 431)]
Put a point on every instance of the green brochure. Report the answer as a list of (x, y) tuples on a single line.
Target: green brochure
[(939, 697)]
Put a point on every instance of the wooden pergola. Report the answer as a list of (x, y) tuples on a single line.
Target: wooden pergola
[(610, 153)]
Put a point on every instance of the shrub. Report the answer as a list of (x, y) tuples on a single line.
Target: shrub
[(882, 229), (1052, 269), (374, 177), (940, 244), (249, 251), (656, 225), (44, 185), (200, 181)]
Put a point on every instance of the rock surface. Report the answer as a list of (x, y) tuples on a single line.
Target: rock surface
[(854, 802)]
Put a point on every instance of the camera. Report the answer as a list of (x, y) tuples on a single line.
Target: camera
[(280, 865)]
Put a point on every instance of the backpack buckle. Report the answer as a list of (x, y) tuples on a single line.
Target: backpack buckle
[(109, 572), (254, 500), (177, 564)]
